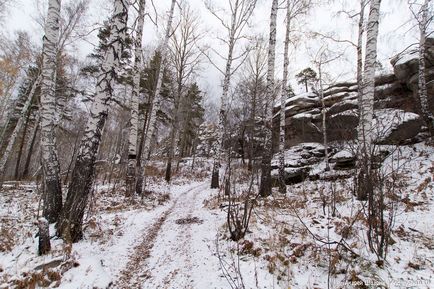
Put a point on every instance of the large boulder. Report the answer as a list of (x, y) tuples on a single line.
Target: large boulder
[(343, 160), (394, 102), (395, 126), (406, 68), (299, 160)]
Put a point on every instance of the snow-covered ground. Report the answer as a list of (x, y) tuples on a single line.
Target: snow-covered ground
[(313, 237)]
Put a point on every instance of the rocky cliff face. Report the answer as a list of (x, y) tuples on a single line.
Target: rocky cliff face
[(396, 109)]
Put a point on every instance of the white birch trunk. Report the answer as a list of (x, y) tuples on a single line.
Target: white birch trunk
[(52, 194), (360, 50), (218, 157), (157, 96), (283, 98), (134, 121), (265, 187), (17, 129), (70, 224), (323, 112), (366, 106), (423, 95)]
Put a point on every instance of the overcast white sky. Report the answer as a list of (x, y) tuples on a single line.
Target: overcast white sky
[(395, 33)]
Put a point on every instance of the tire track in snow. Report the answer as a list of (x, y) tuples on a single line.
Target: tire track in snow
[(136, 273)]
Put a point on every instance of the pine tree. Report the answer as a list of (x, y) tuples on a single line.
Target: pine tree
[(307, 77), (157, 99)]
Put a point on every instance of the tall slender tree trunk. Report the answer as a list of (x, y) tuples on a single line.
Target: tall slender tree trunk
[(174, 134), (139, 180), (17, 129), (70, 223), (31, 147), (52, 194), (223, 106), (365, 133), (134, 121), (423, 94), (323, 113), (157, 95), (20, 150), (252, 125), (265, 186), (283, 99), (359, 51)]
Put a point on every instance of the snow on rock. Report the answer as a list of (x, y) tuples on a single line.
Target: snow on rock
[(299, 160), (395, 125), (343, 160)]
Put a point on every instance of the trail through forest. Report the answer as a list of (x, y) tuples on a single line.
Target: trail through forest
[(174, 251)]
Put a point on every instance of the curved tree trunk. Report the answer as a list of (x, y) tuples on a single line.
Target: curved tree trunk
[(134, 122), (52, 194), (265, 187), (70, 223)]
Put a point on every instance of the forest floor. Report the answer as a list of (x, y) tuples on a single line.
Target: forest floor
[(177, 236)]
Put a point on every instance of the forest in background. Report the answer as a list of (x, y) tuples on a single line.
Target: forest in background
[(139, 121)]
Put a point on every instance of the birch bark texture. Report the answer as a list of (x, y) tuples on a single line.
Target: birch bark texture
[(52, 194), (283, 99), (132, 168), (156, 102), (265, 186), (359, 48), (241, 11), (215, 183), (20, 123), (366, 105), (69, 226), (422, 90)]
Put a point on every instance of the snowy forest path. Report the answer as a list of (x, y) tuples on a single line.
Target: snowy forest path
[(172, 248)]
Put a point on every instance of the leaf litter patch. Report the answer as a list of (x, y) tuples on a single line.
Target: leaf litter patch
[(189, 220)]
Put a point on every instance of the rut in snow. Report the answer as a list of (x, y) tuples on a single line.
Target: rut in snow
[(138, 271)]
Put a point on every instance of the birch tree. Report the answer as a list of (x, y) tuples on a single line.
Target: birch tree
[(52, 194), (132, 167), (69, 226), (240, 13), (358, 45), (293, 10), (252, 88), (21, 120), (185, 58), (156, 102), (265, 186), (361, 29), (323, 57), (423, 19), (283, 98), (366, 105)]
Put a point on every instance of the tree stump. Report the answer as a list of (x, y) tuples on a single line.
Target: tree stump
[(44, 237)]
